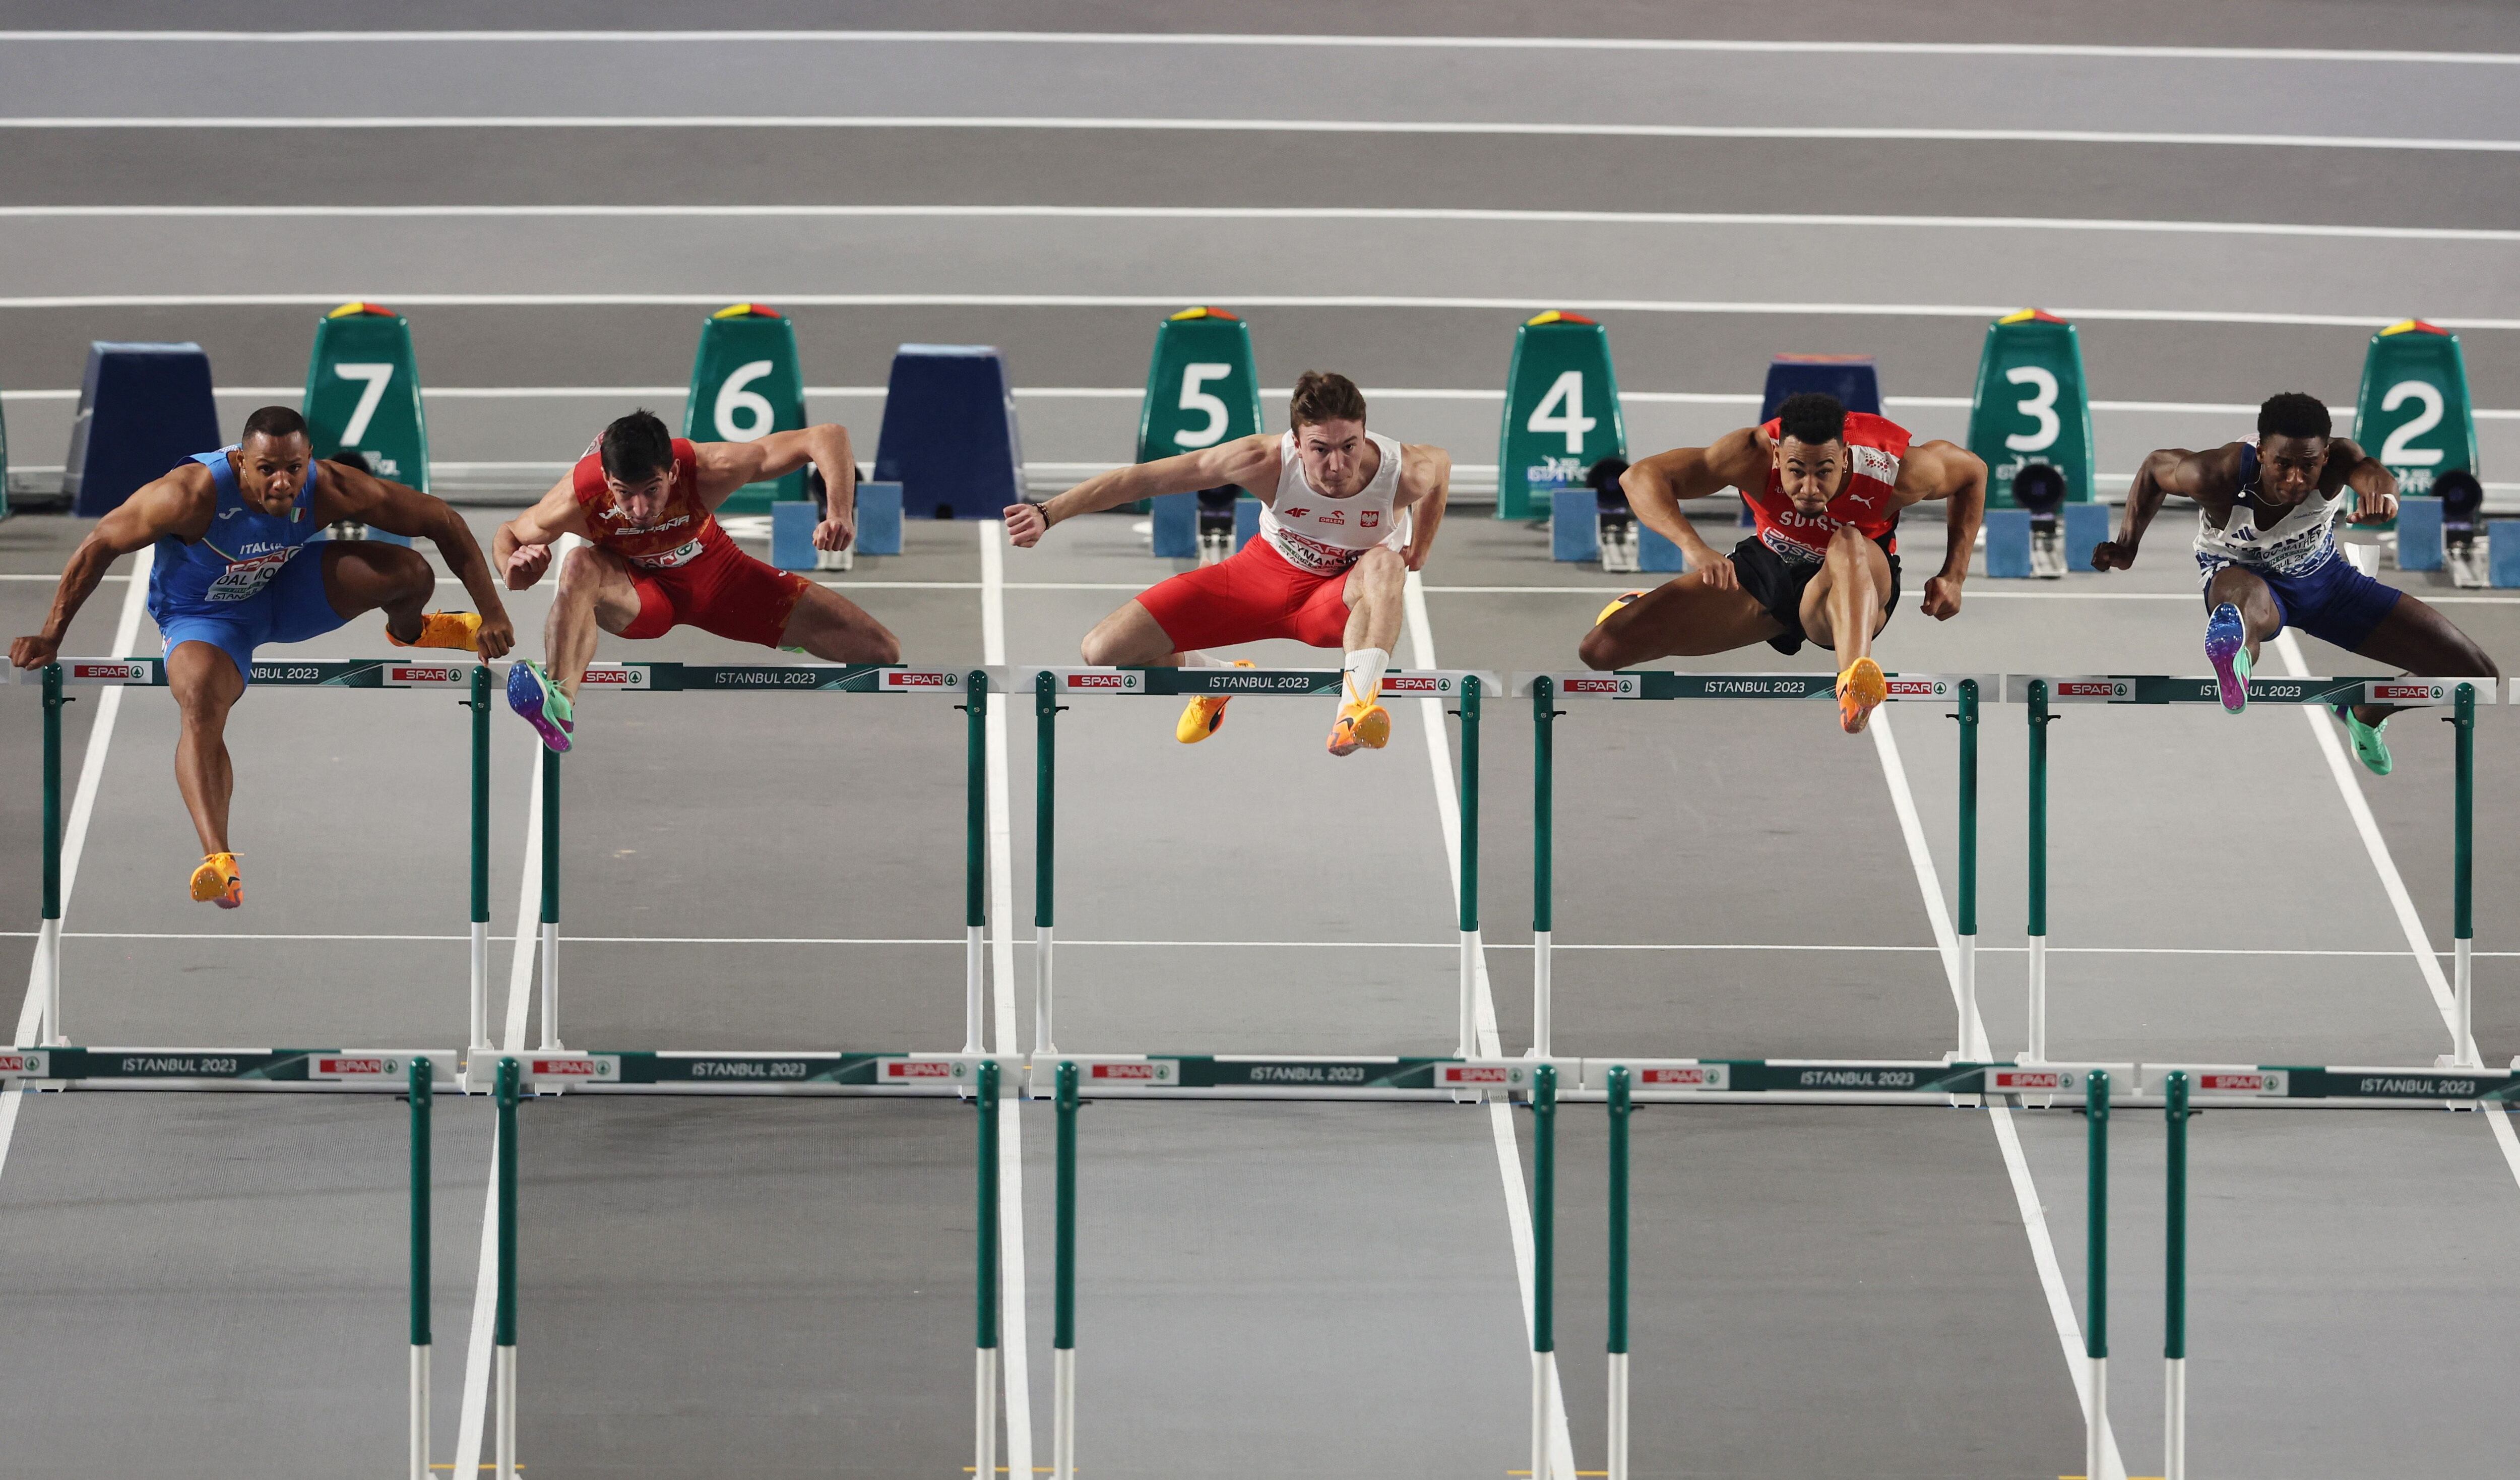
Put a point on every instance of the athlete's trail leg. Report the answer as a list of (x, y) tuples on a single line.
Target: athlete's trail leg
[(206, 685), (2259, 617), (368, 575), (836, 630), (595, 593), (1132, 638), (2416, 637), (1683, 617)]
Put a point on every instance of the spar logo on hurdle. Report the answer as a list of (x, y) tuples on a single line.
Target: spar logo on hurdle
[(2094, 687), (615, 676), (1919, 688), (109, 671), (1103, 683), (403, 674), (1141, 1071), (1415, 683), (919, 680), (25, 1064), (2381, 693)]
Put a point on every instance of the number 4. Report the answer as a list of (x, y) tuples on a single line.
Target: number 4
[(375, 376), (1568, 391)]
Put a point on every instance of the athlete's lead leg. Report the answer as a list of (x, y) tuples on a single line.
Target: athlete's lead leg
[(1844, 605)]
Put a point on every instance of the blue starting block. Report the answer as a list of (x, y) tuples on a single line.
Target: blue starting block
[(1176, 517), (949, 434), (2086, 526), (142, 409), (878, 519), (2420, 534), (1247, 524), (2007, 544), (2503, 552), (792, 533), (1657, 553), (792, 523), (1574, 524)]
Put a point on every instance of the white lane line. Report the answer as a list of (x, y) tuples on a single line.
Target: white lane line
[(2016, 1166), (1169, 300), (2067, 593), (1178, 125), (1015, 1363), (1299, 41), (1475, 214), (1500, 1130), (91, 780), (520, 976)]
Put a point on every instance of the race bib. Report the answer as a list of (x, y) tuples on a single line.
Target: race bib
[(245, 578), (682, 555)]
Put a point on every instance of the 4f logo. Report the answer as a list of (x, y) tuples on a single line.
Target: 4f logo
[(1298, 514)]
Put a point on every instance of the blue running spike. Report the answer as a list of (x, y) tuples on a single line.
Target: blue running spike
[(535, 701), (2227, 648)]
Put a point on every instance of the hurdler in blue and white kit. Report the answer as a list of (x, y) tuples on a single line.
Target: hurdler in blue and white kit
[(2267, 557)]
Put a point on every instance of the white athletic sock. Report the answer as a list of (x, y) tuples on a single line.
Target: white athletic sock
[(1364, 668), (1197, 659)]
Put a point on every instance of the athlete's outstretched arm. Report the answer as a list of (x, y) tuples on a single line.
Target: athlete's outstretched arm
[(2200, 475), (168, 505), (346, 492), (1426, 487), (725, 467), (1252, 462), (2375, 488), (522, 549), (1951, 473), (1656, 485)]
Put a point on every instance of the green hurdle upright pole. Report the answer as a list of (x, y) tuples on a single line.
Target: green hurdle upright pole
[(1967, 717), (2173, 1312), (1063, 1356), (1469, 882), (2036, 1052), (421, 1091), (48, 942), (479, 704), (504, 1326), (2463, 1053), (1543, 849), (1620, 1109), (976, 854), (1544, 1258), (2096, 1341), (1045, 788), (551, 899), (984, 1404)]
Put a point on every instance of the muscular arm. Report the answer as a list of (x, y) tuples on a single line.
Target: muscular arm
[(180, 503), (1957, 477), (522, 549), (1426, 487), (1252, 462), (725, 467), (2375, 488), (2210, 478), (399, 510), (1656, 486)]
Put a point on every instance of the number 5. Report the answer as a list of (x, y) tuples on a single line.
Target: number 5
[(2040, 406), (1195, 399), (377, 376)]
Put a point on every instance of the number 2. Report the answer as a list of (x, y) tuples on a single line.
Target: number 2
[(377, 375), (1568, 391), (2040, 406), (2396, 453), (1192, 399)]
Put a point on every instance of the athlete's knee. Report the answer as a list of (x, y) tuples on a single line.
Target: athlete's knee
[(582, 573), (880, 645), (1382, 567), (1601, 648)]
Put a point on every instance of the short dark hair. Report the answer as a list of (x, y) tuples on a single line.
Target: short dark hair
[(278, 423), (637, 447), (2291, 413), (1812, 418), (1322, 395)]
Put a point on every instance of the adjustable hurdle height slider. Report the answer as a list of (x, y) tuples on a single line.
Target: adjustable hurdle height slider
[(2040, 719), (975, 843), (1621, 1106), (1044, 711), (1063, 1356), (551, 900), (479, 704), (48, 940), (2462, 1050), (1543, 1259), (1543, 849), (503, 1337), (2095, 1298), (985, 1398), (2173, 1287), (1469, 881), (1966, 964), (421, 1090)]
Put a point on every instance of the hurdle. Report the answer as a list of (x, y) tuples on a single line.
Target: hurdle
[(1964, 691), (1463, 687), (422, 1074), (2460, 696)]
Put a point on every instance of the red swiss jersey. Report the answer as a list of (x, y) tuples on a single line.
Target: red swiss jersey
[(1874, 448), (682, 534)]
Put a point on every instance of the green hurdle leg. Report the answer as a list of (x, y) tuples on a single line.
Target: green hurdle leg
[(2039, 718), (1620, 1110), (2173, 1314), (1044, 710), (421, 1091), (503, 1325), (2096, 1341), (2463, 1052), (479, 704), (48, 941), (1543, 849), (1544, 1257), (985, 1368), (1967, 963), (1063, 1356), (975, 845), (1469, 882), (551, 899)]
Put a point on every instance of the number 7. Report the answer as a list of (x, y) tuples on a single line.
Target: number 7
[(375, 376)]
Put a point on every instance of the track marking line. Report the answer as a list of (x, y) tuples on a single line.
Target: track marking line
[(2016, 1166), (1013, 1353), (90, 780), (1501, 1127)]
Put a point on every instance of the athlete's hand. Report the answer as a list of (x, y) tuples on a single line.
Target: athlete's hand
[(836, 532), (2374, 506), (496, 636), (1025, 524), (35, 650), (1715, 573), (526, 565), (2113, 554), (1942, 600)]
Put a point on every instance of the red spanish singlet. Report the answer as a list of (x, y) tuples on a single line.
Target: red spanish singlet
[(687, 570), (681, 534), (1874, 448)]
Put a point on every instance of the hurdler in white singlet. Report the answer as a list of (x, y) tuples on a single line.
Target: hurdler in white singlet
[(2299, 543), (1318, 533)]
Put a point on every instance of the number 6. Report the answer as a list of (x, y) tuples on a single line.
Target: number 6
[(733, 399)]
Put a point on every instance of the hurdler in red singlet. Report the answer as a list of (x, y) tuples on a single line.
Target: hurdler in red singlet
[(656, 558), (1825, 487)]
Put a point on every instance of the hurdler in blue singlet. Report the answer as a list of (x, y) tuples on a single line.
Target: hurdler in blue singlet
[(243, 583)]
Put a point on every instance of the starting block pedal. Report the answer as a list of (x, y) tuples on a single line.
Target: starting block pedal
[(2502, 552), (1574, 525), (1220, 523), (1618, 539), (1657, 553)]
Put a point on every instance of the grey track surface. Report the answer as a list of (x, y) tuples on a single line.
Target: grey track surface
[(194, 1284)]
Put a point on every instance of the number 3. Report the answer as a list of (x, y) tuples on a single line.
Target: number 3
[(2040, 406)]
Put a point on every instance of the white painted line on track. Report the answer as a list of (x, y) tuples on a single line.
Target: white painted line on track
[(1517, 1200), (90, 780), (521, 975), (1186, 125), (377, 292), (1013, 1353), (1475, 214), (1431, 42), (2016, 1166)]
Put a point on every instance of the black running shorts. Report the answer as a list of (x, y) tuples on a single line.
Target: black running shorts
[(1777, 583)]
